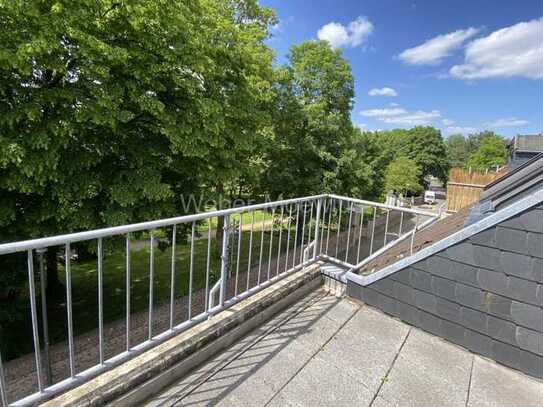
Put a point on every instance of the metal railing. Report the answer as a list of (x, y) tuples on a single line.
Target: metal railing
[(270, 241)]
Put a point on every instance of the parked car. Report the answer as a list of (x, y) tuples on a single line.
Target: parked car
[(430, 197)]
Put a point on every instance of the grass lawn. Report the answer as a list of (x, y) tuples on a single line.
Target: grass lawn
[(85, 285), (85, 280)]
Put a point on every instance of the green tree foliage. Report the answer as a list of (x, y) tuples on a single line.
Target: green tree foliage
[(458, 150), (313, 97), (423, 145), (402, 176), (491, 152), (112, 110)]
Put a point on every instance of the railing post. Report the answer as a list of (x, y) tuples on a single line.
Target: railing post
[(3, 391), (44, 317), (317, 222), (224, 259)]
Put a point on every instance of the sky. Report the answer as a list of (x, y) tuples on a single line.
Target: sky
[(460, 65)]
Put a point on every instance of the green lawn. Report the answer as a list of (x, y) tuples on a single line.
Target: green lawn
[(85, 281), (84, 276)]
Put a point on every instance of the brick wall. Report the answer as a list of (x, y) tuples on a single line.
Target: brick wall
[(485, 293)]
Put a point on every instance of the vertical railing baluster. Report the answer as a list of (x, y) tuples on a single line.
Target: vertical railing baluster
[(288, 235), (317, 223), (386, 228), (224, 258), (67, 259), (250, 250), (151, 282), (100, 254), (401, 224), (44, 317), (261, 247), (349, 231), (3, 391), (279, 245), (373, 228), (128, 281), (34, 316), (360, 234), (271, 242), (338, 227), (191, 269), (322, 225), (239, 253), (330, 210), (303, 235), (413, 235), (309, 224), (296, 235), (208, 264), (172, 277)]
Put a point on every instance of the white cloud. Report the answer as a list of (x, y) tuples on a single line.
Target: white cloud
[(447, 122), (380, 113), (418, 118), (460, 130), (512, 51), (433, 51), (393, 104), (383, 92), (352, 35), (507, 122), (402, 117)]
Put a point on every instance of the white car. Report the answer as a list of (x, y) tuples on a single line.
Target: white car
[(430, 197)]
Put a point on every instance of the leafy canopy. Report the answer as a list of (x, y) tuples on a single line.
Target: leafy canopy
[(313, 96), (491, 152), (402, 176), (112, 110)]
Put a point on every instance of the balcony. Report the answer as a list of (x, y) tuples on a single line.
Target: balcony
[(284, 338)]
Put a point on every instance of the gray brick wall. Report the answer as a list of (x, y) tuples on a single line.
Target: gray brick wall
[(485, 293)]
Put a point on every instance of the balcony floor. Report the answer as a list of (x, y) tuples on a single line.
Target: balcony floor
[(327, 351)]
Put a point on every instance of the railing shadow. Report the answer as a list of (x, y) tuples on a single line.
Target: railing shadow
[(223, 374)]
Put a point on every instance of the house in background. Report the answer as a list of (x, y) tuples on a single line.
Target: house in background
[(523, 148)]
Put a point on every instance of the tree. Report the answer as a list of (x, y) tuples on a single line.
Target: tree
[(491, 152), (313, 96), (111, 111), (402, 176), (458, 150), (425, 146)]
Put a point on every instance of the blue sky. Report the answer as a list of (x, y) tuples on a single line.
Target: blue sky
[(461, 66)]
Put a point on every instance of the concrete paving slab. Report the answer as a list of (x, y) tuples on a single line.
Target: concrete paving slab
[(323, 351), (428, 372), (366, 346), (323, 384), (493, 385)]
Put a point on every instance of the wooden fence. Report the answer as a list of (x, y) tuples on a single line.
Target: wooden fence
[(465, 186)]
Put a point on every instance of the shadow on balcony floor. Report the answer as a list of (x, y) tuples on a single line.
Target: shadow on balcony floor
[(330, 351)]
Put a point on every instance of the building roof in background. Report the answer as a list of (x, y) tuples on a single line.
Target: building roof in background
[(530, 143)]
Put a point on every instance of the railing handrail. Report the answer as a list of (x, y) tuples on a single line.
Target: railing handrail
[(383, 206), (31, 244)]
